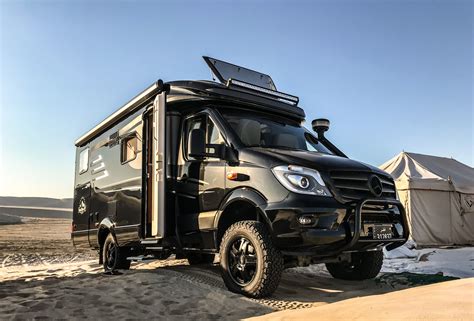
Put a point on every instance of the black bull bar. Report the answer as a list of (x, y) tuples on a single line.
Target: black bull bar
[(394, 243)]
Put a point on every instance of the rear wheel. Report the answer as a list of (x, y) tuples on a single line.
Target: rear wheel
[(363, 265), (200, 258), (113, 256), (250, 264)]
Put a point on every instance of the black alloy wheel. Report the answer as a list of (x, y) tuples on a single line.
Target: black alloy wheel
[(250, 263), (113, 256), (111, 253), (242, 261)]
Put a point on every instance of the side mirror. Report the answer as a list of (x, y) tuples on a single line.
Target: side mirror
[(197, 143), (199, 149), (320, 125)]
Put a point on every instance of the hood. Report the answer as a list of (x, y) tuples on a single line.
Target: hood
[(319, 161)]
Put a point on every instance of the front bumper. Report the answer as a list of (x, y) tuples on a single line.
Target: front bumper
[(350, 234)]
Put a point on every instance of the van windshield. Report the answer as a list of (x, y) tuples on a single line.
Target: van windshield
[(259, 130)]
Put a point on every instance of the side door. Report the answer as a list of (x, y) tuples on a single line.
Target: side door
[(200, 182)]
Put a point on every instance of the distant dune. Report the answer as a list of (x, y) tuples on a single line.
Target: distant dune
[(35, 207), (36, 201)]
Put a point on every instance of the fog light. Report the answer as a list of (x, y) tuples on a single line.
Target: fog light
[(305, 220)]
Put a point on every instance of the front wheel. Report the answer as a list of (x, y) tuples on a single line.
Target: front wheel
[(363, 265), (250, 264), (113, 256)]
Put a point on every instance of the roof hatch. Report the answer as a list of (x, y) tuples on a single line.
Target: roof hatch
[(224, 71), (250, 80)]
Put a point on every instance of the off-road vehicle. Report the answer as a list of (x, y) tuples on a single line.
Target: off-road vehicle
[(198, 168)]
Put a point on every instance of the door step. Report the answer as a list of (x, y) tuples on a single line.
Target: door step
[(141, 258), (149, 241)]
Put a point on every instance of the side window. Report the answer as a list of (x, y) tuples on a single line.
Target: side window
[(213, 135), (84, 161), (129, 148)]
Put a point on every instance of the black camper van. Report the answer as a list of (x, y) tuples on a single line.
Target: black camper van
[(199, 168)]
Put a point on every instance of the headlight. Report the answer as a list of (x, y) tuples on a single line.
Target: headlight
[(301, 180)]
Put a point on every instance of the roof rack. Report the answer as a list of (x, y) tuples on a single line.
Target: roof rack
[(286, 98)]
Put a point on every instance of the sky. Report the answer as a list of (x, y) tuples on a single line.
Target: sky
[(391, 76)]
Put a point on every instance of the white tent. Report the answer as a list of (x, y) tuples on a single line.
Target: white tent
[(438, 195)]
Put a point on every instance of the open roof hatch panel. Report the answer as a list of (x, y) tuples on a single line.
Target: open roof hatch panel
[(248, 80), (225, 71)]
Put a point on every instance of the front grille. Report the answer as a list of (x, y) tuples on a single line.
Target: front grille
[(353, 186)]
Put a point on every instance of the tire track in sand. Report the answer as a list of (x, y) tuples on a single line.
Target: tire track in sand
[(210, 276)]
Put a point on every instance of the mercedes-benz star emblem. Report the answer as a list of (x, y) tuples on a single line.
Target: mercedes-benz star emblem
[(375, 186)]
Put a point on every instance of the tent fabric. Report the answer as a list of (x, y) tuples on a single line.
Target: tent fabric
[(430, 172), (438, 195)]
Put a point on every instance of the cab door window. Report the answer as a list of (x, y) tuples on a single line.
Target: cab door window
[(213, 136)]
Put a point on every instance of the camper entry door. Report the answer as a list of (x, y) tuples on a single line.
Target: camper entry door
[(158, 177)]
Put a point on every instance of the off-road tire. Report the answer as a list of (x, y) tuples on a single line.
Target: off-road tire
[(269, 266), (120, 262), (363, 265), (200, 258)]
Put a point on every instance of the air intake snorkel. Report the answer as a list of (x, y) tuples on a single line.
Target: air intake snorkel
[(320, 126)]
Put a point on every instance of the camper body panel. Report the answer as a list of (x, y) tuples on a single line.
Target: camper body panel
[(110, 187)]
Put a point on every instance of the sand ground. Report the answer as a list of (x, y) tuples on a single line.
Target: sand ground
[(38, 241), (42, 276), (453, 300)]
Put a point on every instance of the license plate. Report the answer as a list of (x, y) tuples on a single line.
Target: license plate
[(382, 232)]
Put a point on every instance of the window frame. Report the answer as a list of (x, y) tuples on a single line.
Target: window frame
[(122, 142), (84, 170)]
